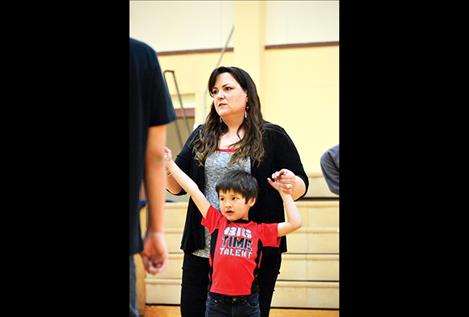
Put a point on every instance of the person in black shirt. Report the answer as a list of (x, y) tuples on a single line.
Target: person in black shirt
[(150, 110)]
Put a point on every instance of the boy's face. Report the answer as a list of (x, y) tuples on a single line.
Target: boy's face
[(233, 205)]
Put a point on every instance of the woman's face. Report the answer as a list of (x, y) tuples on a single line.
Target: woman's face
[(229, 97)]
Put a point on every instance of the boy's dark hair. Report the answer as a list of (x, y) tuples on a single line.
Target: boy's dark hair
[(240, 182)]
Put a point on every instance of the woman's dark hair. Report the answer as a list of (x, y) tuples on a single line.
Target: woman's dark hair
[(240, 182), (251, 144)]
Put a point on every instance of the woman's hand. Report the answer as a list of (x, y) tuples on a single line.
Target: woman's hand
[(278, 187), (285, 180)]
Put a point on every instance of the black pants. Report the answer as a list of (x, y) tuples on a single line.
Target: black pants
[(195, 271)]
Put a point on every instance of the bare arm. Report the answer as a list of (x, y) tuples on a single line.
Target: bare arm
[(187, 184), (294, 221), (172, 185), (155, 254), (154, 177)]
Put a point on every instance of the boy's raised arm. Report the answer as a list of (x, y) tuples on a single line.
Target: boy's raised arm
[(186, 183), (294, 221)]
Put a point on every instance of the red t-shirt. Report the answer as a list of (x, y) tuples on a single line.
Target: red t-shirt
[(236, 255)]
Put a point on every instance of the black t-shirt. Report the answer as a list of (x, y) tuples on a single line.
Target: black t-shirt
[(149, 105)]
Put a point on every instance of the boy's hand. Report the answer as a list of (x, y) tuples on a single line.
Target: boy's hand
[(168, 156)]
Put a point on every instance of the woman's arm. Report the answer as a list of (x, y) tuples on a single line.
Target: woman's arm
[(288, 180), (288, 162)]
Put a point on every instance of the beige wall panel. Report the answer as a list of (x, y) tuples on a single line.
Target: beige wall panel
[(318, 186), (163, 291), (306, 294), (307, 240), (300, 267), (319, 214), (175, 215), (173, 239), (302, 21), (303, 267), (181, 25), (302, 95)]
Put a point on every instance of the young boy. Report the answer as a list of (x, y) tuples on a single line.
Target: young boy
[(236, 246)]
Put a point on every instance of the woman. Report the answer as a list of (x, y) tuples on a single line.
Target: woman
[(234, 136)]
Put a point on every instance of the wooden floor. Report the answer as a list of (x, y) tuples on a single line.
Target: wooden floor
[(173, 311)]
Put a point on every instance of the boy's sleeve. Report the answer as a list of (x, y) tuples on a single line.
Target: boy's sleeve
[(211, 219), (268, 234)]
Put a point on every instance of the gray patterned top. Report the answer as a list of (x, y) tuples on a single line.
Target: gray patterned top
[(216, 165)]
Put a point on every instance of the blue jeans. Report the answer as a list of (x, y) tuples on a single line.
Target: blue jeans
[(133, 309), (229, 306)]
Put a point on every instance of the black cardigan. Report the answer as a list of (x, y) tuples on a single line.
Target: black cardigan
[(280, 152)]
